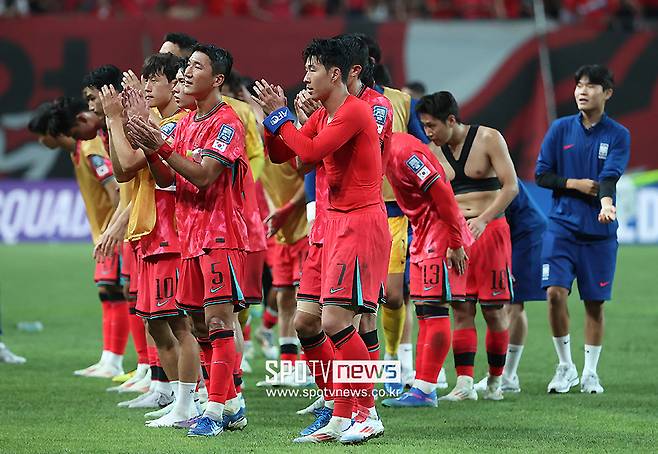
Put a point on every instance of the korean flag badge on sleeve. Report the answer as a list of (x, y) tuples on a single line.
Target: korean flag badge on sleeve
[(380, 113), (224, 138), (418, 167)]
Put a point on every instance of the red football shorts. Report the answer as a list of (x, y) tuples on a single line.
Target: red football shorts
[(253, 277), (288, 263), (129, 266), (357, 246), (270, 257), (489, 275), (107, 272), (212, 278), (310, 285), (158, 279), (428, 283)]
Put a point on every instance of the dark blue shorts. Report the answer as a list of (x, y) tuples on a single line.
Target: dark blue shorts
[(526, 268), (591, 262)]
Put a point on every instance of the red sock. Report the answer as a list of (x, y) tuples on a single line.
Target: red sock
[(319, 353), (237, 373), (205, 355), (464, 347), (120, 327), (246, 331), (221, 369), (138, 332), (372, 344), (152, 353), (270, 318), (107, 324), (350, 347), (289, 352), (421, 342), (435, 350), (496, 343)]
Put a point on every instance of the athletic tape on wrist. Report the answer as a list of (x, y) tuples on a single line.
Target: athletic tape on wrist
[(277, 118)]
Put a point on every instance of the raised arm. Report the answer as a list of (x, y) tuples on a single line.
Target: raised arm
[(347, 122)]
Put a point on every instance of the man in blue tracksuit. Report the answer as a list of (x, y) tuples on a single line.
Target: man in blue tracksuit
[(581, 159)]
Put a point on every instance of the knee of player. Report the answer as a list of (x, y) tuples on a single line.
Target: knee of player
[(557, 295), (180, 328), (307, 325), (199, 327), (368, 323), (333, 326), (125, 289), (494, 315), (594, 309), (394, 299), (463, 312), (215, 322)]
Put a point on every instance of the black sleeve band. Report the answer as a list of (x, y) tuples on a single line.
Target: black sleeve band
[(607, 187), (550, 180)]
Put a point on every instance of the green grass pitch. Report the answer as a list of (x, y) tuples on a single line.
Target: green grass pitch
[(45, 409)]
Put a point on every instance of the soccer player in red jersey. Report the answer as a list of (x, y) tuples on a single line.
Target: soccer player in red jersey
[(208, 164), (308, 318), (343, 136), (482, 175), (438, 260), (153, 233)]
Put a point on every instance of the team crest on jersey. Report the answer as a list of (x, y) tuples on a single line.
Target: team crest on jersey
[(380, 113), (168, 129), (603, 150), (224, 138), (418, 167), (99, 165)]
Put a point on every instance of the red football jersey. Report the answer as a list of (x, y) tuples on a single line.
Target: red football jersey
[(382, 112), (212, 218), (411, 170), (255, 226)]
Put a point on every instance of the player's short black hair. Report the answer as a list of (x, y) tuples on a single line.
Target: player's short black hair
[(220, 59), (249, 82), (234, 82), (39, 120), (181, 64), (330, 53), (63, 112), (357, 49), (416, 86), (184, 42), (103, 75), (166, 64), (439, 105), (381, 75), (597, 75), (374, 50)]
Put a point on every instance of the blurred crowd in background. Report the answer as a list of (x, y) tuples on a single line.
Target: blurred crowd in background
[(623, 13)]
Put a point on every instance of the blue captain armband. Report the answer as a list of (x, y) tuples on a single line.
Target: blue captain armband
[(277, 118)]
